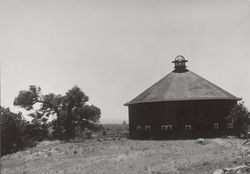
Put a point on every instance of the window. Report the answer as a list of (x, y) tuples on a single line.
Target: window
[(188, 127), (147, 127), (216, 126), (230, 125), (166, 127), (138, 128)]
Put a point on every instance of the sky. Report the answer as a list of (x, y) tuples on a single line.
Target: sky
[(115, 49)]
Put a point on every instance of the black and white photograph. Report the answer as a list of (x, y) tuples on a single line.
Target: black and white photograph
[(125, 86)]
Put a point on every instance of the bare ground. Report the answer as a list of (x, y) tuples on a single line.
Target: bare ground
[(128, 157)]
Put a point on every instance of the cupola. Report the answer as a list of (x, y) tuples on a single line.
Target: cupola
[(180, 64)]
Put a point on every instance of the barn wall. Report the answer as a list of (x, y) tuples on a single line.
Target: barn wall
[(201, 115)]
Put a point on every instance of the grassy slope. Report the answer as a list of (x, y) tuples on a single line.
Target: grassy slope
[(127, 156)]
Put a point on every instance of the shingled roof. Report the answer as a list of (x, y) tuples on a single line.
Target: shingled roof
[(182, 84)]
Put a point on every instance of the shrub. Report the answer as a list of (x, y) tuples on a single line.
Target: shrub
[(11, 131), (17, 133), (240, 117)]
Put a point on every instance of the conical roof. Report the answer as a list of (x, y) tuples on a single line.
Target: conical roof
[(182, 85)]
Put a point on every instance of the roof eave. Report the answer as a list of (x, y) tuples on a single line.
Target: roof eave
[(189, 99)]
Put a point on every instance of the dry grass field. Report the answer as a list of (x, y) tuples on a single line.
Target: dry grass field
[(128, 157)]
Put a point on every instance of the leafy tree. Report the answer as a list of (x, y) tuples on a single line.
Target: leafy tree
[(240, 117), (71, 109), (17, 133), (11, 131), (49, 103)]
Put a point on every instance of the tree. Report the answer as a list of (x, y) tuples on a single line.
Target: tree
[(49, 104), (70, 109), (240, 116), (17, 133), (11, 131)]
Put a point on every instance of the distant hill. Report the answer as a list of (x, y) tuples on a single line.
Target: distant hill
[(113, 121)]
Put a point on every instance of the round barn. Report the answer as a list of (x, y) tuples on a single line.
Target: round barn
[(181, 105)]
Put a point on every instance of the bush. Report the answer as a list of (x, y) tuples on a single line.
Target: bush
[(11, 128), (240, 117), (17, 133)]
